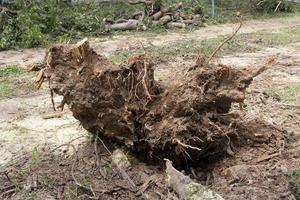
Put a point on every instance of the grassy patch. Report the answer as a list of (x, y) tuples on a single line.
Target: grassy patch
[(118, 57), (23, 130), (247, 42), (11, 70), (294, 181), (6, 90), (14, 81), (289, 92), (35, 158)]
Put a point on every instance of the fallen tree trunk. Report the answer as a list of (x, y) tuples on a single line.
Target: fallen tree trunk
[(189, 117)]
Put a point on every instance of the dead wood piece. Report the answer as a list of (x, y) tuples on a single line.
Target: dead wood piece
[(120, 21), (165, 19), (146, 184), (37, 66), (178, 6), (146, 2), (39, 79), (157, 15), (224, 42), (196, 20), (175, 25), (186, 188), (139, 15), (53, 115), (121, 162), (131, 24), (268, 157)]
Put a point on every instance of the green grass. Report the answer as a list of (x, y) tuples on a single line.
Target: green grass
[(247, 42), (294, 181), (23, 130), (6, 90), (35, 158), (11, 71), (14, 81), (7, 75), (289, 92)]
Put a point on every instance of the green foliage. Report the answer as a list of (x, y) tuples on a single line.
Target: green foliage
[(6, 90), (35, 158), (290, 92), (11, 70), (268, 6), (41, 22), (198, 10), (294, 181)]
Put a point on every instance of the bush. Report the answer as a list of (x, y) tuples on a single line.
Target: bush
[(42, 21), (268, 6)]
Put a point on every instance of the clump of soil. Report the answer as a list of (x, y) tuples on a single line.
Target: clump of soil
[(190, 117)]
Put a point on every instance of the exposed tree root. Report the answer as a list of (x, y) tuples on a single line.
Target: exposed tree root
[(190, 116)]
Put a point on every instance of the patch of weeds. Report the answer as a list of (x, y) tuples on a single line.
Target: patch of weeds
[(70, 193), (6, 90), (280, 37), (87, 181), (245, 42), (195, 192), (161, 77), (14, 81), (294, 182), (35, 158), (23, 130), (289, 92), (49, 182), (119, 57), (11, 70)]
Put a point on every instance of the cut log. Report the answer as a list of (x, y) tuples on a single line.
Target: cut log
[(146, 2), (175, 25), (165, 19), (130, 24), (157, 16), (188, 117), (186, 188)]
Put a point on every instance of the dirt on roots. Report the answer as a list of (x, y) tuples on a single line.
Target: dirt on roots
[(190, 117)]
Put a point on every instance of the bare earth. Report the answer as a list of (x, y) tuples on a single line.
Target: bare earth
[(23, 128)]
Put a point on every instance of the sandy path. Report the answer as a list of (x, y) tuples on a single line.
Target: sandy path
[(121, 43)]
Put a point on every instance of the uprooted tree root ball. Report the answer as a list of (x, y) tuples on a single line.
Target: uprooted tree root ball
[(190, 117)]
